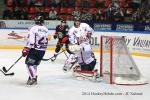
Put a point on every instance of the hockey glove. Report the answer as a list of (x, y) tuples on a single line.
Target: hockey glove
[(64, 40), (55, 36), (25, 51)]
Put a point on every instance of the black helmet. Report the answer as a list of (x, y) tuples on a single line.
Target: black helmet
[(63, 21), (39, 20)]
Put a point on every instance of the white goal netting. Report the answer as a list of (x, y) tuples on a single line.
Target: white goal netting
[(117, 65)]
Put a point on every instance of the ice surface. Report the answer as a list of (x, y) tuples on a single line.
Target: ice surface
[(54, 84)]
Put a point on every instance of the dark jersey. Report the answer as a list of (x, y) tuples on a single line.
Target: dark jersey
[(62, 31)]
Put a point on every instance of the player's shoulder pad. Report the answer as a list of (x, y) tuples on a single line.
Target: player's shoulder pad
[(84, 24), (71, 28)]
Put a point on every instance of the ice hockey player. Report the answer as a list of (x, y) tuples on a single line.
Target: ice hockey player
[(35, 48), (79, 37), (61, 35)]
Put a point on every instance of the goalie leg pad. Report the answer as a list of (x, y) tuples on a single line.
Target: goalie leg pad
[(87, 75), (69, 63), (89, 67), (83, 75)]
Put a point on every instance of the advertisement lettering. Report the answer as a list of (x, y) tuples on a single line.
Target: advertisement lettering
[(94, 41), (101, 26), (147, 28), (141, 43), (125, 27)]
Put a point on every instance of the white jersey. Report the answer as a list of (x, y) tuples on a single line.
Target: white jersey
[(78, 35), (85, 55), (38, 37)]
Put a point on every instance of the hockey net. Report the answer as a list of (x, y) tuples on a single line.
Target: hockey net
[(116, 64)]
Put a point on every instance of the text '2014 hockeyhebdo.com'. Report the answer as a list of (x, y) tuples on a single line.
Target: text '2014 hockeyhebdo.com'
[(111, 93)]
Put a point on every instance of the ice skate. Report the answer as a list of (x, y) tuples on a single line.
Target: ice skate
[(96, 76), (28, 81), (32, 81)]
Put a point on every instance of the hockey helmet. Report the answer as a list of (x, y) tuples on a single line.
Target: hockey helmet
[(63, 22), (39, 20), (77, 21)]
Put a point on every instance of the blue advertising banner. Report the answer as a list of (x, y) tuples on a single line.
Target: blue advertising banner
[(122, 26)]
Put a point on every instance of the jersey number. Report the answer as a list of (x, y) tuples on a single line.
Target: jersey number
[(43, 42)]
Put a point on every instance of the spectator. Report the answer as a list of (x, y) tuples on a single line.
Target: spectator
[(76, 12), (20, 3), (86, 16), (8, 13), (68, 3), (32, 3), (110, 11), (71, 3), (64, 3), (52, 14), (40, 12), (119, 16), (9, 3), (56, 3), (24, 13), (135, 4), (17, 13), (85, 3), (98, 16), (39, 3), (100, 3), (136, 15)]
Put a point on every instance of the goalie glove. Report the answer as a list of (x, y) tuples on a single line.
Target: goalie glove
[(74, 48), (25, 51), (55, 36)]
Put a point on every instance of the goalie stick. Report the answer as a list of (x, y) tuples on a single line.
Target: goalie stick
[(4, 68), (7, 74)]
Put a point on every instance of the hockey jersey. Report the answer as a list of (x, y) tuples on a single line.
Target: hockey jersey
[(61, 31), (38, 37), (85, 56), (79, 35)]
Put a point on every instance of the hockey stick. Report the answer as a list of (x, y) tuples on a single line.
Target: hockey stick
[(53, 56), (4, 68), (65, 52), (6, 73)]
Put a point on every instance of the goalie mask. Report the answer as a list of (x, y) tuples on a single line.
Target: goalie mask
[(39, 20)]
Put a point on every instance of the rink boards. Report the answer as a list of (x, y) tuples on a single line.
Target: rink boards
[(137, 42)]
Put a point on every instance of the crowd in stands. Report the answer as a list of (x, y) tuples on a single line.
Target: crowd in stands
[(88, 10)]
